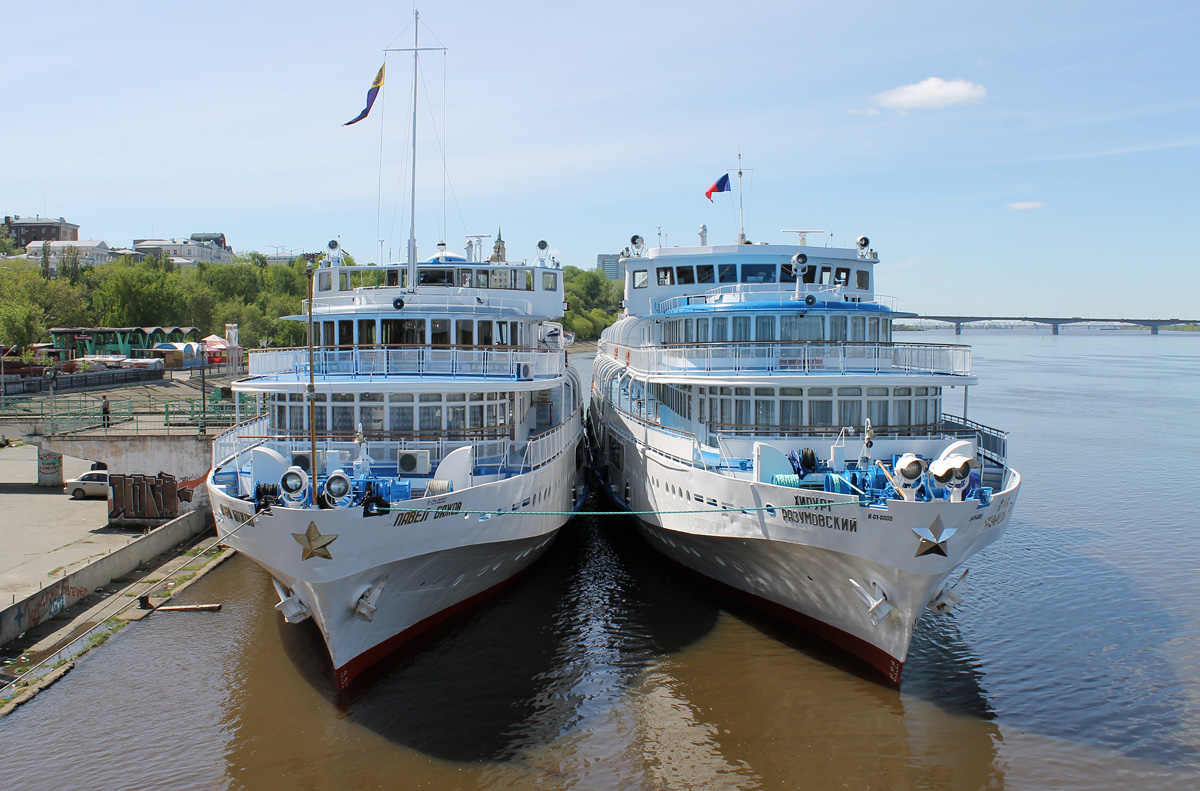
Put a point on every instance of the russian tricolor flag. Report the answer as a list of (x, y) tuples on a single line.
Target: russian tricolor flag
[(720, 185), (376, 84)]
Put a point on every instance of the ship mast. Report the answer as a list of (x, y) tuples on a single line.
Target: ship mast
[(412, 221), (741, 207)]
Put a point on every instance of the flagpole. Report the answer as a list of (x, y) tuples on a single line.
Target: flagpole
[(741, 208)]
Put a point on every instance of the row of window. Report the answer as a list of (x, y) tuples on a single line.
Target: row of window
[(686, 275), (724, 329), (439, 332), (784, 406), (511, 278), (401, 412)]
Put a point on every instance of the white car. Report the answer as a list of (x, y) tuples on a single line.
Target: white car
[(90, 484)]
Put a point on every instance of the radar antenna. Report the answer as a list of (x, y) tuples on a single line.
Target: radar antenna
[(803, 235)]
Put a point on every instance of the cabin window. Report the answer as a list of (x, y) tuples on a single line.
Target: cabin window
[(820, 406), (481, 278), (345, 333), (791, 406), (486, 336), (837, 328), (849, 406), (877, 406), (329, 338), (370, 412), (689, 331), (741, 328), (704, 273), (720, 329), (800, 328), (841, 275), (808, 274), (427, 276), (666, 277), (456, 411), (727, 273), (864, 279), (758, 273), (764, 328), (549, 281), (826, 271), (324, 281), (858, 328), (902, 406), (465, 335), (640, 279), (320, 413), (787, 273), (685, 275), (764, 406), (366, 332), (344, 281), (701, 330), (343, 413), (464, 278), (497, 278), (873, 328), (440, 332), (885, 330), (742, 406), (502, 338), (393, 277)]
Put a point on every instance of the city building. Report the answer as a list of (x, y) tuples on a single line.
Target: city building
[(119, 341), (187, 252), (610, 264), (89, 253), (24, 230)]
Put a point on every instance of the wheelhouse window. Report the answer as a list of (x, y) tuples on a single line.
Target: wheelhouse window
[(704, 273), (666, 276), (428, 276), (841, 275), (685, 275), (758, 273), (864, 279), (727, 273), (641, 279), (549, 281)]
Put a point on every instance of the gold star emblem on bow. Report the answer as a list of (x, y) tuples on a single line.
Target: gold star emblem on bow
[(314, 543)]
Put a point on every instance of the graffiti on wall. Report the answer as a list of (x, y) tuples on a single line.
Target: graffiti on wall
[(137, 497), (48, 603)]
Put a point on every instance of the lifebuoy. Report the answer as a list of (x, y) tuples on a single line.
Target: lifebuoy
[(398, 303)]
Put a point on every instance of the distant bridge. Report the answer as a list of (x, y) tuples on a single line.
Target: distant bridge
[(1058, 321)]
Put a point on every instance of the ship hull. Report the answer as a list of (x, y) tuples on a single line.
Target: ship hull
[(391, 576)]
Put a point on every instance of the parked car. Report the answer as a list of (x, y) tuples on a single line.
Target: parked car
[(90, 484)]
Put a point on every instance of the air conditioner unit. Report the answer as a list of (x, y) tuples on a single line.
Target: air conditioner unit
[(412, 462), (302, 459)]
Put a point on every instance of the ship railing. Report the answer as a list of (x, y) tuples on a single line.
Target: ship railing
[(793, 357), (494, 450), (991, 441), (463, 300), (770, 292), (452, 361)]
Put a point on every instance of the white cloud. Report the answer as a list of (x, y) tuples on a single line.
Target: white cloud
[(932, 93), (1025, 205)]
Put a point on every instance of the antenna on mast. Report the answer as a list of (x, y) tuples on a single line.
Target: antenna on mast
[(741, 239)]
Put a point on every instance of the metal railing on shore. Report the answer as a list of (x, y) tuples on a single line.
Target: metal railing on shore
[(793, 357)]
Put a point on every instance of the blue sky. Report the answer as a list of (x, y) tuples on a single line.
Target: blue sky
[(1021, 158)]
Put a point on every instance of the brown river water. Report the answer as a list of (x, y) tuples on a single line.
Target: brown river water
[(1073, 662)]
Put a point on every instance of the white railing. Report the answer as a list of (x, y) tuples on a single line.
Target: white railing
[(767, 292), (516, 364), (793, 357), (239, 439)]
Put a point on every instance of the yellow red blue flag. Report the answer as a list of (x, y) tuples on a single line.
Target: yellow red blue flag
[(371, 94)]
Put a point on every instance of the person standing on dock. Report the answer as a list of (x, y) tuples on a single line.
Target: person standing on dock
[(104, 408)]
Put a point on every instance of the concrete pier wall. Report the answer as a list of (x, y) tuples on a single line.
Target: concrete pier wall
[(65, 591)]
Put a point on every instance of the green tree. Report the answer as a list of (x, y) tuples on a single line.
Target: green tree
[(45, 260), (8, 245), (68, 266), (137, 295)]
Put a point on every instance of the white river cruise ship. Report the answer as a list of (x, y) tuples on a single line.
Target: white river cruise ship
[(753, 410)]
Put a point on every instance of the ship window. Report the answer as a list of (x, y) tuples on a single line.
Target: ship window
[(842, 275), (366, 332), (741, 328), (873, 328), (665, 276), (456, 417), (702, 330), (885, 330), (440, 332), (685, 275), (808, 274), (764, 411), (837, 328), (704, 273), (393, 277), (825, 273), (791, 408), (727, 273), (764, 328), (514, 334), (689, 331), (344, 281), (920, 411), (858, 328), (324, 281), (500, 278), (329, 340), (427, 276), (343, 417), (400, 418), (787, 273), (464, 278), (640, 279), (431, 418), (758, 273), (820, 406), (466, 333), (903, 409), (864, 279), (345, 333), (549, 281), (849, 411), (486, 337), (877, 411), (720, 329), (800, 328), (481, 278)]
